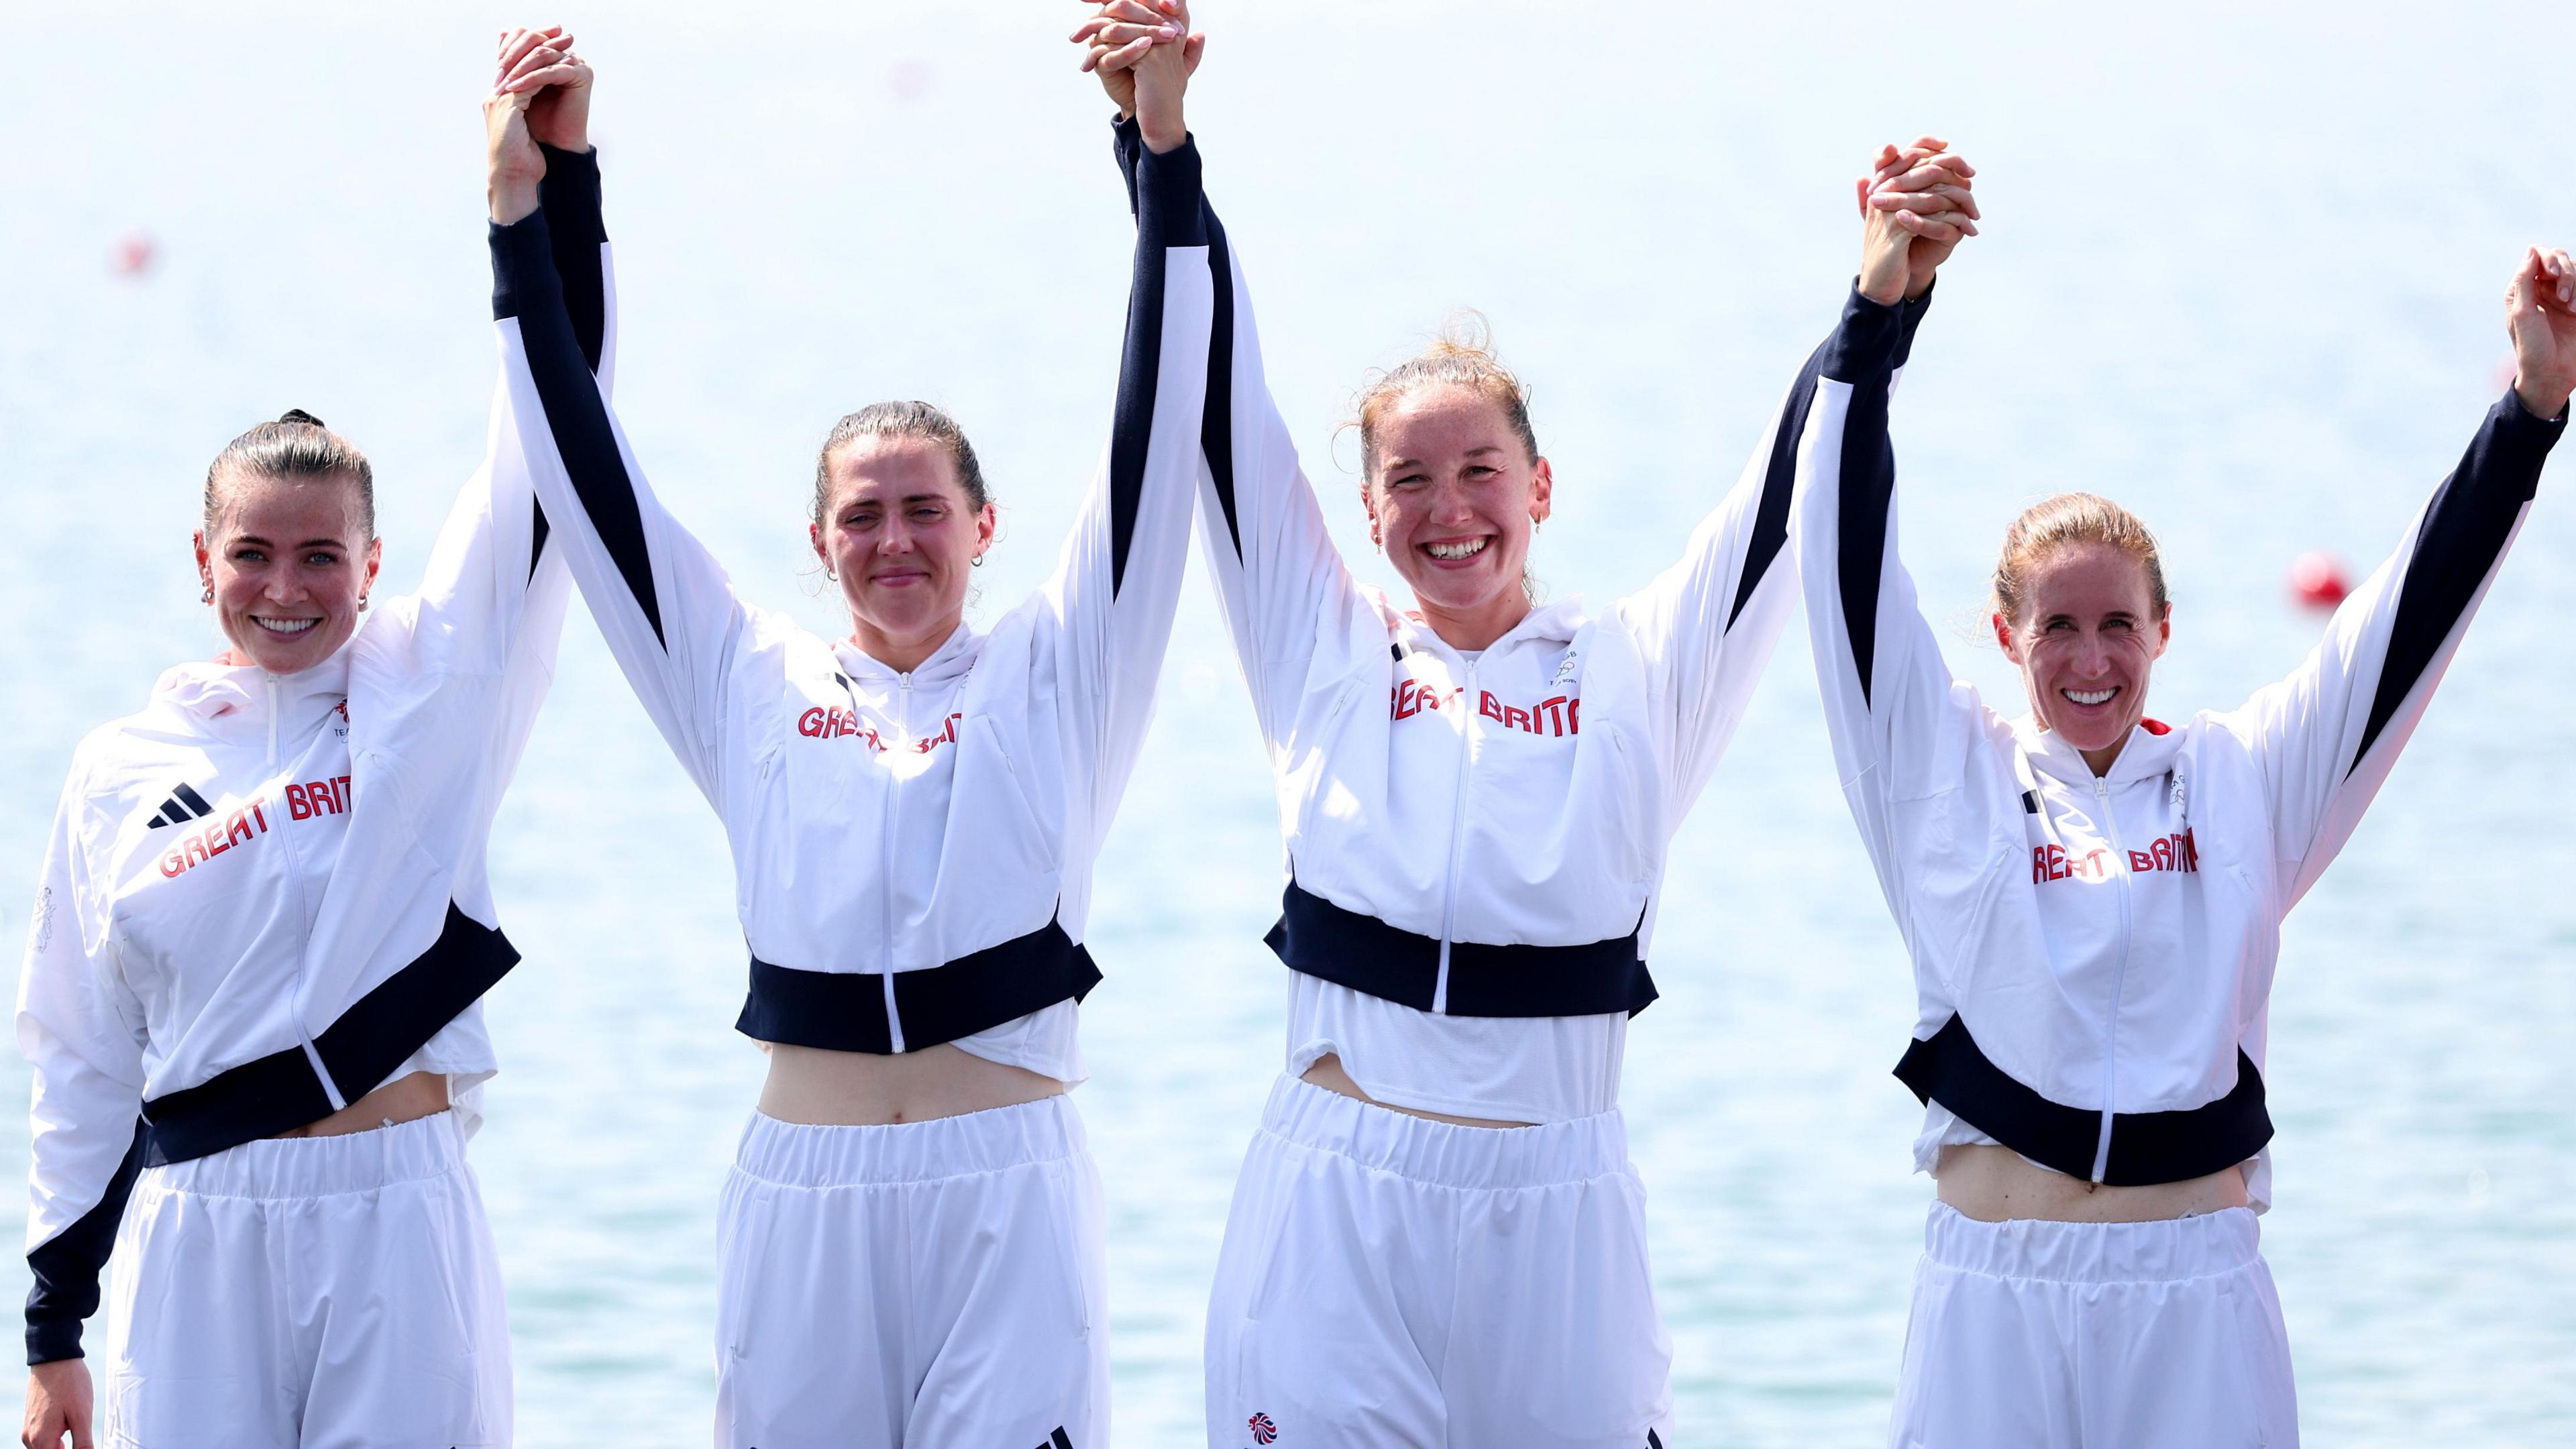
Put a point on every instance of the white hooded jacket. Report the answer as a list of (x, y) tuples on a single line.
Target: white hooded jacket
[(2093, 956), (265, 895), (912, 851)]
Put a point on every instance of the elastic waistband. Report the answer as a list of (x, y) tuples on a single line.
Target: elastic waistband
[(798, 1154), (304, 1167), (2158, 1252), (1442, 1154)]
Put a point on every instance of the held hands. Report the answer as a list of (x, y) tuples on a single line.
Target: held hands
[(2540, 312), (58, 1403), (1916, 206), (1144, 53), (540, 94)]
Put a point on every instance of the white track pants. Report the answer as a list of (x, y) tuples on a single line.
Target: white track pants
[(313, 1293), (937, 1285), (2039, 1335), (1388, 1281)]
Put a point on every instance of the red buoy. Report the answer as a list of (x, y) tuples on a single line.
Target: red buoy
[(2316, 580), (132, 255)]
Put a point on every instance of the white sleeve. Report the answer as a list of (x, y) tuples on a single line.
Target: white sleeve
[(82, 1031), (662, 602), (2328, 735), (1901, 725), (1110, 601), (1280, 582)]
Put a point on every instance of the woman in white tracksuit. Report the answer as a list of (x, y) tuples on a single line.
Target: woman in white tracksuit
[(2093, 901), (253, 971), (910, 1238), (1437, 1237)]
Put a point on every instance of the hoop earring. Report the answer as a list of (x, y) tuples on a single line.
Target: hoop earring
[(362, 603), (977, 562), (208, 596)]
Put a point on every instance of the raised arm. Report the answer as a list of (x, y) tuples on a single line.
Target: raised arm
[(82, 1031), (1900, 724), (1111, 599), (491, 601), (2329, 734), (663, 603), (1708, 623), (1280, 582)]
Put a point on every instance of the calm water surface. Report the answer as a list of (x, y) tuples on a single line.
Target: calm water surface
[(2242, 273)]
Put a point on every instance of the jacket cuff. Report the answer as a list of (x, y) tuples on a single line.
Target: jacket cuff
[(569, 195), (523, 266), (52, 1338), (1169, 207), (1871, 339), (1913, 308), (2515, 420)]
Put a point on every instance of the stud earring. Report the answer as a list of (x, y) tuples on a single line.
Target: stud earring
[(362, 603)]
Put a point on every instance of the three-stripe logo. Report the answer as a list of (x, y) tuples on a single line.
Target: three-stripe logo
[(184, 805)]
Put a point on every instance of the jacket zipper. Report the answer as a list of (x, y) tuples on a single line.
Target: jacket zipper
[(894, 809), (2119, 975), (295, 1002), (1457, 838)]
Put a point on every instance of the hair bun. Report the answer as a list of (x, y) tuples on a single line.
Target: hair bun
[(299, 415)]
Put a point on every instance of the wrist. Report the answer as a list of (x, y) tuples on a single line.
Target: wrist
[(2544, 398), (1886, 292), (513, 199), (1162, 139)]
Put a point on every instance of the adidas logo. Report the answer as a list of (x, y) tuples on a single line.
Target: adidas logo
[(184, 805)]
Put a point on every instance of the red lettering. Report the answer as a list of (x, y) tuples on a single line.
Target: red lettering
[(340, 791), (260, 815), (172, 864), (1517, 718), (2190, 851), (196, 848), (2140, 862), (297, 805), (2038, 864), (1487, 705), (1574, 716), (238, 825), (810, 723)]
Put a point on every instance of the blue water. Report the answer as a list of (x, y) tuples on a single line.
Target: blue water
[(2242, 271)]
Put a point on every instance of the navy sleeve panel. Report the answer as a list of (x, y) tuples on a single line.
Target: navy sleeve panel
[(1867, 346), (1779, 485), (569, 198), (2464, 533), (1913, 308), (1216, 421), (1128, 140), (1771, 526), (66, 1266), (525, 287), (1169, 214)]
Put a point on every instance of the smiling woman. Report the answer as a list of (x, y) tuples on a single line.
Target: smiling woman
[(288, 549), (2093, 900), (253, 986)]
